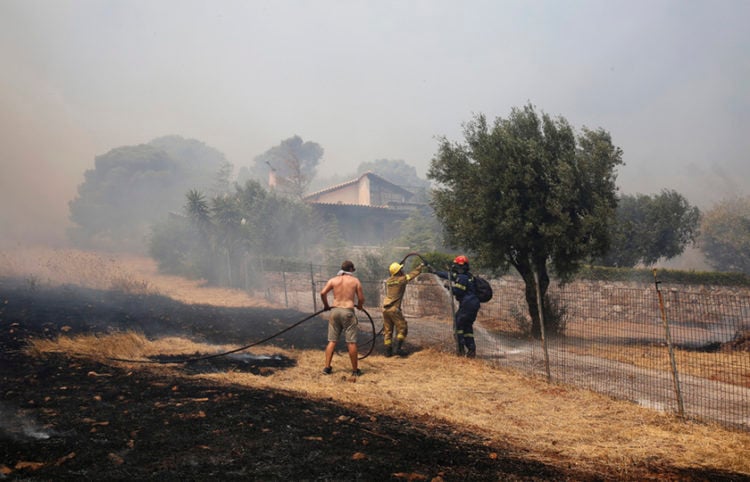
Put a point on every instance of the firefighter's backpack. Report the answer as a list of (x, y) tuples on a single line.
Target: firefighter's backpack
[(483, 289)]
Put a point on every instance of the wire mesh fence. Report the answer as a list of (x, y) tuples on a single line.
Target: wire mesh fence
[(688, 354)]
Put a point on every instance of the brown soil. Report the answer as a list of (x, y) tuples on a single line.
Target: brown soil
[(70, 419), (741, 342)]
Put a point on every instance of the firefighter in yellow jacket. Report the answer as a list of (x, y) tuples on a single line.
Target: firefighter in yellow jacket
[(395, 286)]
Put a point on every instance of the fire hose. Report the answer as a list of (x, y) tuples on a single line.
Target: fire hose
[(414, 254), (259, 342), (242, 348)]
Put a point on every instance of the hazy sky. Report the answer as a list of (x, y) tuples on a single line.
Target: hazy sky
[(670, 80)]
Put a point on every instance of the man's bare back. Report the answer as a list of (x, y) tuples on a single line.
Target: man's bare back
[(345, 287)]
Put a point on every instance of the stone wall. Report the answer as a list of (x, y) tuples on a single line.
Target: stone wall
[(715, 309), (720, 310)]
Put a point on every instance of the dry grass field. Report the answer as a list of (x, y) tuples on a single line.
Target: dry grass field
[(510, 427), (727, 367)]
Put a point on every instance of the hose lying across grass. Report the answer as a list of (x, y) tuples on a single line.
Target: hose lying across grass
[(259, 342), (217, 355)]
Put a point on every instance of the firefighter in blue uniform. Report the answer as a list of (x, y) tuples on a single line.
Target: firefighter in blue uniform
[(464, 289)]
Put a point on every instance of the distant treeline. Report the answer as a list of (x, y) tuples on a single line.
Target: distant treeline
[(644, 275)]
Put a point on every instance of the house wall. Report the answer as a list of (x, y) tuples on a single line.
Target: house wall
[(361, 212), (368, 191), (364, 192)]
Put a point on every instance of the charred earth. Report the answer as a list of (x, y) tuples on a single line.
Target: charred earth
[(65, 418)]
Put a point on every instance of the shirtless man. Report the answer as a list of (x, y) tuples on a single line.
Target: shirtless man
[(342, 319)]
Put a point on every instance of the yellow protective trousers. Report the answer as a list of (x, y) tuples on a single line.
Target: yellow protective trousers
[(393, 318)]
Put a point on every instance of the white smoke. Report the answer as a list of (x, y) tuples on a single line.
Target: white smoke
[(17, 425)]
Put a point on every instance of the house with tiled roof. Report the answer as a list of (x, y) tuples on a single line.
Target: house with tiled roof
[(368, 208)]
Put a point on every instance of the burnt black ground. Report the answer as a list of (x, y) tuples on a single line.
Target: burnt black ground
[(67, 419)]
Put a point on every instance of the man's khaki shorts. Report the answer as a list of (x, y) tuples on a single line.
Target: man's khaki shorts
[(343, 319)]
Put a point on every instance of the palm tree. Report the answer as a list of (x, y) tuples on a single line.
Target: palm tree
[(198, 212), (227, 219)]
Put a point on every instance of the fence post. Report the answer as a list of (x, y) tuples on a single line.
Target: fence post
[(541, 324), (312, 284), (266, 284), (675, 375)]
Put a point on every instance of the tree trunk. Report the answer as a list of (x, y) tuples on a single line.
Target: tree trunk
[(525, 269)]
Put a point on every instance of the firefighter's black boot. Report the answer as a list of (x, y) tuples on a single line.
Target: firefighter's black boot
[(471, 347), (461, 350), (399, 350), (389, 350)]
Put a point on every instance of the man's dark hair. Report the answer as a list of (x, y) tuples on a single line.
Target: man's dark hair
[(347, 266)]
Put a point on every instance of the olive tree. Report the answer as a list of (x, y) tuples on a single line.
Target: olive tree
[(527, 192), (725, 235), (648, 228)]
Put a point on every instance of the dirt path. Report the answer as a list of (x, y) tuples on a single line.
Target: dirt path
[(655, 389), (649, 388)]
